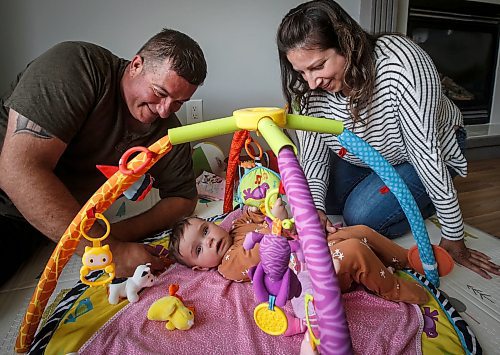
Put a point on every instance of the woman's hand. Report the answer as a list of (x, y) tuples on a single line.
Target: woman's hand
[(475, 260), (326, 223)]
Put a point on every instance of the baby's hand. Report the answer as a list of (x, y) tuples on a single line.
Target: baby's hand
[(279, 211)]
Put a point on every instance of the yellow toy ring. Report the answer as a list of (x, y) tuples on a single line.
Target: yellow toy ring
[(315, 341), (286, 223), (97, 216), (267, 202), (108, 279)]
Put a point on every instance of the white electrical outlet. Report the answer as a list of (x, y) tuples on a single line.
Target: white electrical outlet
[(194, 111)]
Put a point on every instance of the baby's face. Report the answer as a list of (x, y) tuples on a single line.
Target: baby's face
[(204, 244)]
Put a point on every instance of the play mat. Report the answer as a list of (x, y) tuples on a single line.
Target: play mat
[(477, 300), (161, 319), (84, 321)]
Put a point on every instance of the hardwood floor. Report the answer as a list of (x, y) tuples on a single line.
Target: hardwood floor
[(479, 195)]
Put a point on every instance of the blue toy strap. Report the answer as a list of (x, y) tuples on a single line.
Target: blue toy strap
[(400, 190)]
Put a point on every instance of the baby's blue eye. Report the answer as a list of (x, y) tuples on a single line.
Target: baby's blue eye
[(205, 231), (198, 250)]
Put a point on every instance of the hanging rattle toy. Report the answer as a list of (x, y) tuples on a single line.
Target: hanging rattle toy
[(274, 282), (96, 257), (256, 179)]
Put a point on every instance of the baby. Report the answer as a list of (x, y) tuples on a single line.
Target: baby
[(360, 255)]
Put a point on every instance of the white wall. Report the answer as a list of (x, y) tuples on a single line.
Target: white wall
[(237, 36)]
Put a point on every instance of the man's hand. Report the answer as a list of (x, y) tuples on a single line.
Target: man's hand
[(326, 223), (161, 216), (127, 256), (470, 258)]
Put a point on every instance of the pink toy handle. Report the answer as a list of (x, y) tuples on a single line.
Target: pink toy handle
[(334, 332)]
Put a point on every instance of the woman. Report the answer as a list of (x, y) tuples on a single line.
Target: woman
[(387, 90)]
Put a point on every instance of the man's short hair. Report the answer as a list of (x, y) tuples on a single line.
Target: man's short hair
[(184, 54)]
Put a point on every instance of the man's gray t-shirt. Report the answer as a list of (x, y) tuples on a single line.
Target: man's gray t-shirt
[(73, 92)]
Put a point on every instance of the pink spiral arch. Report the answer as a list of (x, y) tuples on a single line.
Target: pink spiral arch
[(334, 332)]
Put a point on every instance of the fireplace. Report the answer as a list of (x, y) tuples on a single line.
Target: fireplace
[(463, 43)]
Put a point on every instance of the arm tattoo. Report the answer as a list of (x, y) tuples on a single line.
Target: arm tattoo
[(24, 125)]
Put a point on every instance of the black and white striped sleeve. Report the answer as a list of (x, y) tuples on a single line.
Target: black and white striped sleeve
[(420, 97), (315, 161)]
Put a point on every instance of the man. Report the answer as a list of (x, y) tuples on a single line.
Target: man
[(78, 105)]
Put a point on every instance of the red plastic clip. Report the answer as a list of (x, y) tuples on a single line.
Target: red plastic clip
[(91, 213), (342, 152), (139, 170), (282, 188), (383, 190)]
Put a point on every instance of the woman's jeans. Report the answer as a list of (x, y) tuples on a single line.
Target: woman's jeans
[(359, 195)]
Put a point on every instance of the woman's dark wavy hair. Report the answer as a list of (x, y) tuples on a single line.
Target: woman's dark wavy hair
[(323, 24), (185, 55)]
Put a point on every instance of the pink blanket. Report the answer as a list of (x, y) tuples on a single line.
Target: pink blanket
[(383, 327), (224, 322)]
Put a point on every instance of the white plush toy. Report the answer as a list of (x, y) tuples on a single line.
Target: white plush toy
[(130, 287)]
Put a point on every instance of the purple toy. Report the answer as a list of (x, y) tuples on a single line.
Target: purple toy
[(334, 332), (258, 193), (430, 319), (272, 276)]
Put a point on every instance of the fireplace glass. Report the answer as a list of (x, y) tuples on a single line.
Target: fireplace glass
[(464, 49)]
